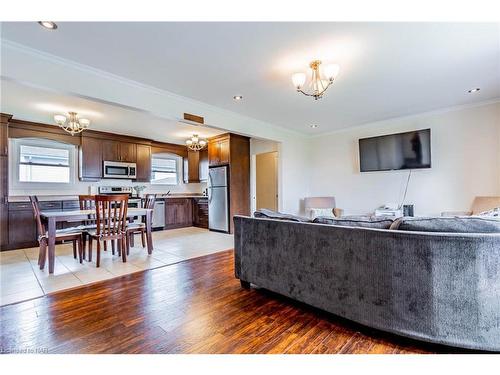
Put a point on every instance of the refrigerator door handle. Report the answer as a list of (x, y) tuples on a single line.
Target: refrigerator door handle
[(209, 188)]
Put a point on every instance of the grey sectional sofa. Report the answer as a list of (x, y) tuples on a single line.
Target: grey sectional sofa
[(438, 287)]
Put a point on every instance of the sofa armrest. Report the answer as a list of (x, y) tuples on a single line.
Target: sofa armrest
[(456, 213)]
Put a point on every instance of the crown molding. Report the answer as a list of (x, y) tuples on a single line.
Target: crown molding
[(412, 116)]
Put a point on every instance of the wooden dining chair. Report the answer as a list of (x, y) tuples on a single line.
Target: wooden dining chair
[(140, 228), (87, 202), (111, 224), (69, 234)]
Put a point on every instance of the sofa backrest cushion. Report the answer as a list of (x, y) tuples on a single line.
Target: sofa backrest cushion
[(462, 224), (357, 221), (270, 214)]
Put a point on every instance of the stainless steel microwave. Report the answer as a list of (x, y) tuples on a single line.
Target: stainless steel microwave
[(116, 169)]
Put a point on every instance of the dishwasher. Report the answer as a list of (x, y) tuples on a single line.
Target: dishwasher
[(159, 215)]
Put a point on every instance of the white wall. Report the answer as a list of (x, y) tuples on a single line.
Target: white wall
[(465, 163)]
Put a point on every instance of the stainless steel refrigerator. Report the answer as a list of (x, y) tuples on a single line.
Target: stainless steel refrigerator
[(218, 199)]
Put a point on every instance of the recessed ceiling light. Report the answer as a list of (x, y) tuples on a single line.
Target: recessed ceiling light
[(48, 24), (314, 126), (474, 90), (238, 97)]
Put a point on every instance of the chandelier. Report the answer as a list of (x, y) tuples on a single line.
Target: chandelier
[(74, 125), (195, 143), (320, 80)]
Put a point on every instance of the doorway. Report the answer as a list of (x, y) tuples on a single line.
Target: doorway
[(266, 181)]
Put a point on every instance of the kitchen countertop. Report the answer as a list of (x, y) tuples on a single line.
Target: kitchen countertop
[(180, 196), (44, 198)]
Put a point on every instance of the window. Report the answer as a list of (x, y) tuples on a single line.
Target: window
[(164, 170), (42, 161)]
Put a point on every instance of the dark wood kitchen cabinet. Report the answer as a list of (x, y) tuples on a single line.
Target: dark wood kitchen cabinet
[(110, 150), (200, 212), (4, 205), (192, 167), (196, 166), (219, 151), (178, 212), (4, 138), (91, 158), (22, 231), (119, 151), (203, 165), (4, 182), (143, 163), (22, 227)]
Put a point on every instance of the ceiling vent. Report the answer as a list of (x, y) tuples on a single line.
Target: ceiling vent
[(193, 119)]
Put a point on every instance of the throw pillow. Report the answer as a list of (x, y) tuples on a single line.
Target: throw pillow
[(462, 224), (491, 213), (317, 212), (270, 214), (357, 221)]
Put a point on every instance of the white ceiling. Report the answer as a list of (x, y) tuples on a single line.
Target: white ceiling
[(387, 69), (33, 104)]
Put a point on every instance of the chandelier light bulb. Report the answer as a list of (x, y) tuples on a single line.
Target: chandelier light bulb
[(298, 80), (195, 143), (331, 71), (84, 122), (60, 119), (74, 124), (321, 79)]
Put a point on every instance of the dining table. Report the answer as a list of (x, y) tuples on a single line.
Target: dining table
[(51, 218)]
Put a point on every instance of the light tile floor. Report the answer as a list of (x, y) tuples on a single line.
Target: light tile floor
[(21, 279)]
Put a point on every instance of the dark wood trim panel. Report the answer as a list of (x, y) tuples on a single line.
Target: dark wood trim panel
[(239, 179), (170, 148), (194, 118), (28, 129)]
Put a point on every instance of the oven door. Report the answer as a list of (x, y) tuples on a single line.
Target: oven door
[(116, 170)]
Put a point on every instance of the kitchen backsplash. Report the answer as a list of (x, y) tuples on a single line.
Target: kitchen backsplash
[(80, 187)]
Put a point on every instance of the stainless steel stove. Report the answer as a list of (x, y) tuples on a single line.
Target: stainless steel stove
[(133, 202)]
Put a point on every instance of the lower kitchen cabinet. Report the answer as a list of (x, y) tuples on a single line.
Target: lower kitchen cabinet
[(22, 227), (200, 212), (178, 212), (22, 230)]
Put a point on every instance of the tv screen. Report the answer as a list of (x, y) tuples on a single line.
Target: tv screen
[(411, 150)]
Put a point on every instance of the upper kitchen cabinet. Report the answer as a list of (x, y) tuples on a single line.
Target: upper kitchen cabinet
[(192, 167), (119, 151), (91, 158), (143, 163), (203, 165), (4, 140), (128, 152), (218, 150)]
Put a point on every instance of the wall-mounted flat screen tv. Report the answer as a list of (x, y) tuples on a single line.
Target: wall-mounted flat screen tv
[(411, 150)]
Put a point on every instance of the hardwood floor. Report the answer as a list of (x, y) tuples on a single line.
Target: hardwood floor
[(196, 306)]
